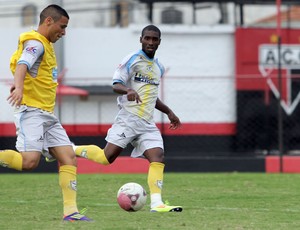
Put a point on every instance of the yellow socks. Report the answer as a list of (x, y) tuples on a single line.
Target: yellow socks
[(155, 182), (68, 184), (155, 177), (11, 159), (91, 152)]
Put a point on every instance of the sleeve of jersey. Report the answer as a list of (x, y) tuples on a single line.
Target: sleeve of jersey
[(33, 49), (122, 73), (161, 67)]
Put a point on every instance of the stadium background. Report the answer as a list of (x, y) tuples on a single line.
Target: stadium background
[(215, 80)]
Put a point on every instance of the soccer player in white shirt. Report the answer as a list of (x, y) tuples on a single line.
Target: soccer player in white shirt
[(137, 80)]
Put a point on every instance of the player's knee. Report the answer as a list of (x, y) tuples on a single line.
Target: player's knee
[(30, 160), (155, 156), (159, 158), (29, 165)]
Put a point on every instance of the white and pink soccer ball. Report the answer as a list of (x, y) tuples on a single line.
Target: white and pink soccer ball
[(132, 197)]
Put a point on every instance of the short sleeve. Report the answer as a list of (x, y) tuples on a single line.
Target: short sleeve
[(122, 73), (33, 49)]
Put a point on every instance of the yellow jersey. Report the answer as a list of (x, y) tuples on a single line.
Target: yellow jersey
[(40, 90)]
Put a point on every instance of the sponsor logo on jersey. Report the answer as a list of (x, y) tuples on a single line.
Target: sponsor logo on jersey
[(31, 50), (145, 79)]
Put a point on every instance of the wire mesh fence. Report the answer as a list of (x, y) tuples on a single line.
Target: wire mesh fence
[(217, 119)]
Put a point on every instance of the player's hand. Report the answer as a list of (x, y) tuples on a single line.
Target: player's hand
[(132, 95), (174, 121), (15, 97), (12, 88)]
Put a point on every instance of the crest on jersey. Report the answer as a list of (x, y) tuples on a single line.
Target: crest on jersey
[(149, 68)]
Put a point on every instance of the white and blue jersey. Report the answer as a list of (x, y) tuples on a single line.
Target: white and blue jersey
[(141, 73)]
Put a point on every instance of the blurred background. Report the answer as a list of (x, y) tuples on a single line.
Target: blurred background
[(232, 74)]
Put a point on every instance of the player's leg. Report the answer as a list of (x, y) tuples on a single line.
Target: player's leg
[(104, 156), (91, 152), (11, 159), (118, 137), (57, 142), (149, 143), (19, 161), (67, 176), (155, 175), (112, 151), (155, 181), (68, 181)]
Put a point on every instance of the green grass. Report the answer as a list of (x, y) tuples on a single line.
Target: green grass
[(218, 201)]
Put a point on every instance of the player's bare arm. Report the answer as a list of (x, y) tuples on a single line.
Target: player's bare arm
[(16, 91), (174, 120), (132, 95)]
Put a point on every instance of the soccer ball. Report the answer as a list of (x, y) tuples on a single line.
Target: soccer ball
[(132, 197)]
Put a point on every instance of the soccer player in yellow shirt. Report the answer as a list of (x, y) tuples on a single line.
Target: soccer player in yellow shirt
[(33, 95)]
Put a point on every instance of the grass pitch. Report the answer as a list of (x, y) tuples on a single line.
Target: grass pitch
[(218, 201)]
